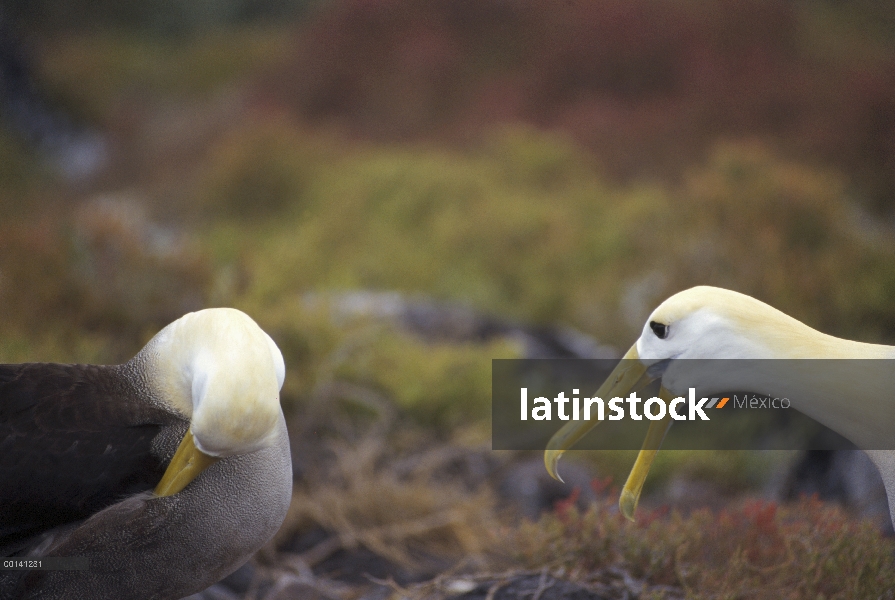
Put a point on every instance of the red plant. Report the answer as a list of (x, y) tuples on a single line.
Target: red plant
[(601, 486), (564, 506), (646, 84)]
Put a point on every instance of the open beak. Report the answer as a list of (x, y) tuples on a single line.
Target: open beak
[(186, 465), (627, 503), (629, 376)]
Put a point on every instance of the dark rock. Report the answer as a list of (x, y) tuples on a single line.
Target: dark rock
[(296, 590), (848, 477), (305, 540), (357, 565), (241, 579), (215, 592), (448, 322), (76, 151), (528, 485), (528, 587)]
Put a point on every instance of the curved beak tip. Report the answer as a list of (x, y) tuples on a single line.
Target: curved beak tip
[(627, 504), (551, 461)]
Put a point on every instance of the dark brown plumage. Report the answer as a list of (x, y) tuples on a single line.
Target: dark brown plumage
[(73, 440)]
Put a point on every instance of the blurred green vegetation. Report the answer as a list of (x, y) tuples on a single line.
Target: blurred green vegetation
[(525, 226), (436, 385), (731, 471), (522, 226), (158, 17), (97, 75), (20, 175)]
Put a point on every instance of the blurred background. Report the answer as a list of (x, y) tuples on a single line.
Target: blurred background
[(399, 191)]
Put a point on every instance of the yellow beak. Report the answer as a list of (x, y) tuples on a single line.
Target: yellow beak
[(186, 465), (627, 503), (629, 376)]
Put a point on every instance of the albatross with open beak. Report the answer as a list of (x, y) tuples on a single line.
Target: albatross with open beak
[(854, 398)]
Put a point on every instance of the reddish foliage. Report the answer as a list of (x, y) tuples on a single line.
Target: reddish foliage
[(645, 518), (646, 84), (562, 507), (805, 550), (762, 515), (601, 486)]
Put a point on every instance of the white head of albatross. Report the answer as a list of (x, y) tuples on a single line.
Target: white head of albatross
[(705, 322), (221, 371)]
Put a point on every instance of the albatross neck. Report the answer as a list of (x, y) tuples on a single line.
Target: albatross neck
[(846, 385)]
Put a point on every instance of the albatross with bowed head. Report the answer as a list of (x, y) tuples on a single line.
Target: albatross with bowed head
[(855, 398), (165, 473)]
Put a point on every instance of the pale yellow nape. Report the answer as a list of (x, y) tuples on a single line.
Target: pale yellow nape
[(781, 336), (220, 370)]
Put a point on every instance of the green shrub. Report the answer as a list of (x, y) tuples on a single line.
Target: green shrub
[(525, 227), (106, 71), (755, 550)]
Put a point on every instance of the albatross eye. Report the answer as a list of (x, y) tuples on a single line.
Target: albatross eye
[(660, 329)]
